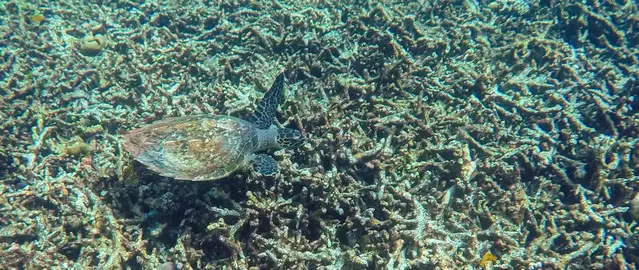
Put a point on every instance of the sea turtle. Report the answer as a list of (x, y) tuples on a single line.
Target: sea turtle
[(209, 147)]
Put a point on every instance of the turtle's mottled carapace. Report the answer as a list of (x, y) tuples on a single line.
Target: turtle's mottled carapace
[(208, 147)]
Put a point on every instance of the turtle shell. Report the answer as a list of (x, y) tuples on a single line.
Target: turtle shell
[(197, 148)]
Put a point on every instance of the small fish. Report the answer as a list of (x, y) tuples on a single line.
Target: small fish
[(487, 260)]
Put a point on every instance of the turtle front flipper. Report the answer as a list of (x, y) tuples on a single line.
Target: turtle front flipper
[(265, 164), (264, 116)]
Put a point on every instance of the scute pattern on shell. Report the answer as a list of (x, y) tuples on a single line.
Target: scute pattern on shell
[(196, 148)]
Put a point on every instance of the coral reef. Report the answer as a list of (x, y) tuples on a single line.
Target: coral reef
[(439, 132)]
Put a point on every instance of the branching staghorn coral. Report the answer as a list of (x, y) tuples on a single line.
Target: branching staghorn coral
[(437, 133)]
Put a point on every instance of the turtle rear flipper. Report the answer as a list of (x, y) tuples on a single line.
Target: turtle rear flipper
[(265, 164), (264, 115)]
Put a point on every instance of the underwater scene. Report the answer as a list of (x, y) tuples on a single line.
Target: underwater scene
[(351, 134)]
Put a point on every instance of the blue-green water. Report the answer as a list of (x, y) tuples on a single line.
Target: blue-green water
[(437, 135)]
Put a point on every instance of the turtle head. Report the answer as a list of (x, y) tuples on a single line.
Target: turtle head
[(289, 138)]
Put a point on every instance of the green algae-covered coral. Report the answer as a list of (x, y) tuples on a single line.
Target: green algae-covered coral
[(77, 147)]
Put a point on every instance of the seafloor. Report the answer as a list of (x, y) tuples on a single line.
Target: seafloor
[(446, 134)]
